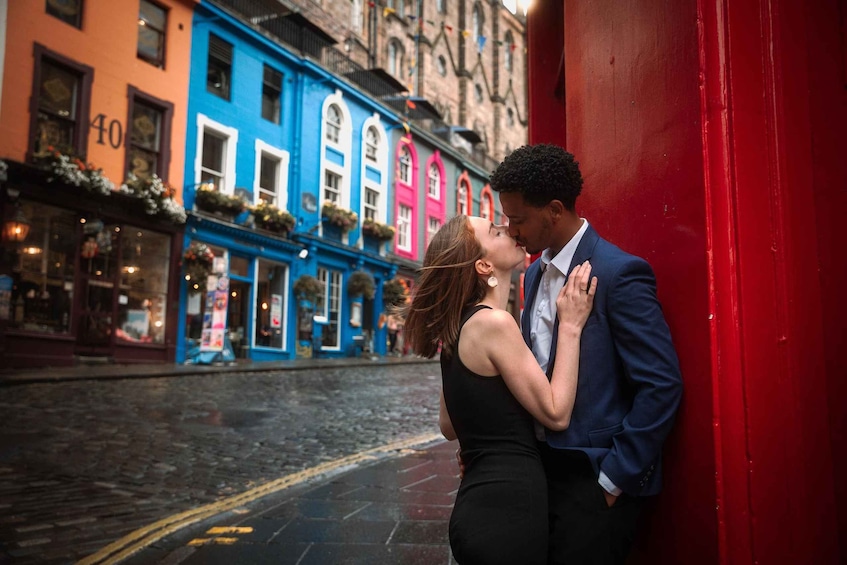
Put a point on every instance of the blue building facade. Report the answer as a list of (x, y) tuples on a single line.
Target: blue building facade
[(275, 129)]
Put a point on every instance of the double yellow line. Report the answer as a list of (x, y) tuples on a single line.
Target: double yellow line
[(139, 539)]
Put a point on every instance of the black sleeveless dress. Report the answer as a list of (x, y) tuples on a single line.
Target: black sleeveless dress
[(500, 515)]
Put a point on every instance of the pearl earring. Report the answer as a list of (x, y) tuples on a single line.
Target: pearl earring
[(492, 281)]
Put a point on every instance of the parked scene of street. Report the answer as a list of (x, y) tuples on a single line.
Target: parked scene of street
[(84, 463)]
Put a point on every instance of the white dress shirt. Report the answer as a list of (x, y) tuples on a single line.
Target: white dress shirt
[(553, 278)]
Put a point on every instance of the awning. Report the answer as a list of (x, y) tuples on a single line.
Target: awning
[(415, 107), (465, 133), (376, 81)]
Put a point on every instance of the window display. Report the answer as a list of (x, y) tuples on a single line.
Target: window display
[(270, 304), (142, 296)]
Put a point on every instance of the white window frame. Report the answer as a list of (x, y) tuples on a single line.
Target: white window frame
[(404, 227), (344, 147), (284, 317), (371, 145), (204, 124), (281, 200), (433, 224), (433, 182), (462, 199), (380, 164), (486, 207), (404, 165), (370, 211), (356, 15), (332, 129), (334, 190)]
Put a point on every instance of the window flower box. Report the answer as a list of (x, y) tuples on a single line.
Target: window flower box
[(210, 199), (268, 217), (340, 217), (377, 230)]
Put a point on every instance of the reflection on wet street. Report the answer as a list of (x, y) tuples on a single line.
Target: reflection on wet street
[(83, 463)]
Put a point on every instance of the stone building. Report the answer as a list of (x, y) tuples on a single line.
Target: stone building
[(466, 58)]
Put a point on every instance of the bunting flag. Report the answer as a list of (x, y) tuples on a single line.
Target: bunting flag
[(386, 11), (448, 28), (410, 104), (466, 32), (413, 18), (371, 4), (513, 46), (480, 42), (430, 22)]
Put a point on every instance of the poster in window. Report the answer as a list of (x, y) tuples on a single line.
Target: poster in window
[(276, 311)]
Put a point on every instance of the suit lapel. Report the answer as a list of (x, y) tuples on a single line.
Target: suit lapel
[(531, 282), (583, 253)]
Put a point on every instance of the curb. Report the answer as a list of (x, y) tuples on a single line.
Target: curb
[(144, 537)]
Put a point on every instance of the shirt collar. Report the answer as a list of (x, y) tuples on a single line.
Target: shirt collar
[(562, 260)]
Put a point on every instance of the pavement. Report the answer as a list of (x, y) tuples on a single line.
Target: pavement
[(385, 504)]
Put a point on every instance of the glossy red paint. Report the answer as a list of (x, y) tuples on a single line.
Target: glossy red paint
[(710, 136)]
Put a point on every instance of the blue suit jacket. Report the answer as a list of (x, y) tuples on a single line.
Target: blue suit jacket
[(629, 381)]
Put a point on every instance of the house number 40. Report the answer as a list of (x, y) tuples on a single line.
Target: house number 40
[(114, 130)]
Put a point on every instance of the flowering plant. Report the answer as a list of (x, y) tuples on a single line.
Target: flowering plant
[(197, 263), (156, 195), (210, 199), (344, 219), (269, 217), (73, 170), (382, 232), (395, 292)]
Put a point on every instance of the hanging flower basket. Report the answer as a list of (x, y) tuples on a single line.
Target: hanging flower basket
[(308, 288), (210, 199), (268, 217), (156, 195), (69, 169), (361, 283), (377, 230), (197, 263), (395, 292), (344, 219)]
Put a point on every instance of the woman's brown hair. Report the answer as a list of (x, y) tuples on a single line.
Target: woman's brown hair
[(447, 284)]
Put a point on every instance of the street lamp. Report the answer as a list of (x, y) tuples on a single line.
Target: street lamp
[(16, 228)]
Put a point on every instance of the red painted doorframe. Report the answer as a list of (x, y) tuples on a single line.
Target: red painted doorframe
[(721, 162)]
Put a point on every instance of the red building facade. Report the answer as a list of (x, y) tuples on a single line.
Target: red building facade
[(710, 135)]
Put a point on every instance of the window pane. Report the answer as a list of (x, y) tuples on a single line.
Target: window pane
[(151, 33), (213, 152), (219, 67), (69, 11), (238, 265), (270, 305), (271, 93), (43, 276), (143, 298)]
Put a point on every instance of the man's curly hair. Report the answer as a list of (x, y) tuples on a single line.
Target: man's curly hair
[(540, 173)]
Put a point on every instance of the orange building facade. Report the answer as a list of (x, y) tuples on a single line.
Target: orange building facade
[(94, 96)]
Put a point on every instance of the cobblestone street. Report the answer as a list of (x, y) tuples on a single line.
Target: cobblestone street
[(83, 463)]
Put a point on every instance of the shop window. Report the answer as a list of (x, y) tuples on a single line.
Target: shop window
[(152, 25), (69, 11), (219, 70), (271, 94), (270, 305), (143, 290), (43, 277), (62, 89), (330, 305), (149, 131)]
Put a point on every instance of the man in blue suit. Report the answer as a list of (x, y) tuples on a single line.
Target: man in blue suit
[(601, 467)]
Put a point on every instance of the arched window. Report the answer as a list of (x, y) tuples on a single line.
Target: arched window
[(395, 57), (333, 123), (478, 93), (510, 117), (441, 6), (478, 23), (404, 166), (433, 184), (371, 143), (486, 204), (507, 58)]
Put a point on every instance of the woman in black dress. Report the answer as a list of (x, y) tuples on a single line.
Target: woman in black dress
[(492, 387)]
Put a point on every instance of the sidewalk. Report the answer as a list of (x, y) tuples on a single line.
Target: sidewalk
[(128, 371), (391, 511)]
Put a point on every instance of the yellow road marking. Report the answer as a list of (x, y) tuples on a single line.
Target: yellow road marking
[(199, 541), (225, 541), (141, 538), (228, 530)]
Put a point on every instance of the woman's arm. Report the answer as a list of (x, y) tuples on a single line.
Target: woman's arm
[(444, 421), (549, 402)]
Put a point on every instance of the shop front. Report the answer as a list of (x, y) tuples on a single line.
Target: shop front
[(236, 305), (85, 277)]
